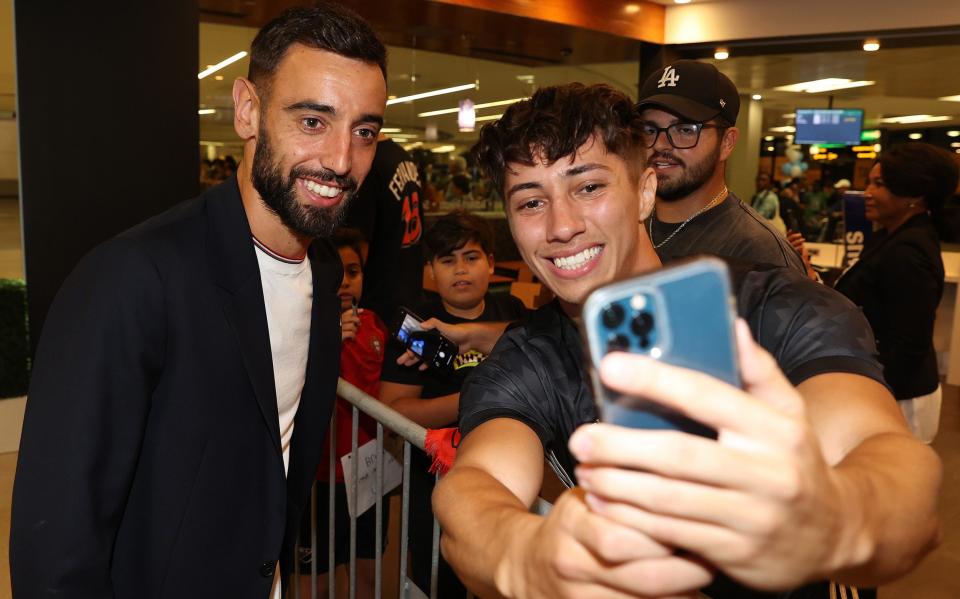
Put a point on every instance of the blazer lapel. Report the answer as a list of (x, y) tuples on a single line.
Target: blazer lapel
[(233, 265)]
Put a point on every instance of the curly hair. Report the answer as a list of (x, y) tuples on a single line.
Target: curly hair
[(920, 170), (554, 123)]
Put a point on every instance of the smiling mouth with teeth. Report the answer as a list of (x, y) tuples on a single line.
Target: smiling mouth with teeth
[(577, 260), (322, 190)]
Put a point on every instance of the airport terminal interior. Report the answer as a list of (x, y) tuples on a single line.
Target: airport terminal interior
[(454, 65)]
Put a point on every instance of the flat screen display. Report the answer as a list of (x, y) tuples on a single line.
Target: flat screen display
[(829, 126)]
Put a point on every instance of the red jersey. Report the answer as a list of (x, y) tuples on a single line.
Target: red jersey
[(360, 362)]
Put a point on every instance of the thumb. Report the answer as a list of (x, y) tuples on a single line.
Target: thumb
[(761, 375)]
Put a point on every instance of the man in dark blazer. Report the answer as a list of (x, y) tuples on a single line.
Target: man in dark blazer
[(161, 421)]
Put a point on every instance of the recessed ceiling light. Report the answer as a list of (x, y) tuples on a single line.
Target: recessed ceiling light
[(721, 54), (769, 148), (218, 77), (391, 130), (784, 129), (681, 1), (431, 93), (823, 85), (916, 136), (443, 149), (475, 106), (768, 138), (757, 97), (216, 67), (207, 111), (950, 98), (631, 9), (953, 133), (955, 144), (913, 118), (871, 45)]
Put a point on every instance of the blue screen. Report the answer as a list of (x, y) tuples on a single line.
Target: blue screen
[(829, 126)]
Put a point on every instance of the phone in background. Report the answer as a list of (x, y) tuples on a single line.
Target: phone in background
[(682, 315), (431, 347)]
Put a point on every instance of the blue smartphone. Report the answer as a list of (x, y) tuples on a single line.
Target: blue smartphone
[(683, 315)]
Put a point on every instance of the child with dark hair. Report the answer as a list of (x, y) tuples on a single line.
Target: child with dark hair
[(459, 256), (363, 338)]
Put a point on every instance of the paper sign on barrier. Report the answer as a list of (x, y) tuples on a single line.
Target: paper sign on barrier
[(367, 476)]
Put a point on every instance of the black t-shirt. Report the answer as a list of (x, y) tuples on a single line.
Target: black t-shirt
[(387, 210), (731, 230), (537, 372), (498, 307)]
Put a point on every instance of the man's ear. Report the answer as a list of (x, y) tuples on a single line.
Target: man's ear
[(729, 142), (246, 108), (648, 192), (490, 262), (430, 270)]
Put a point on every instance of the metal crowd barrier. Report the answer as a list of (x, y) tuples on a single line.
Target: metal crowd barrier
[(413, 435)]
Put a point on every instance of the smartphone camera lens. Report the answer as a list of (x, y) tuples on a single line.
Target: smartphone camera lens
[(642, 324), (612, 316), (618, 343)]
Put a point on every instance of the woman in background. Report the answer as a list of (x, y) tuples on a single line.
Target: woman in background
[(898, 280)]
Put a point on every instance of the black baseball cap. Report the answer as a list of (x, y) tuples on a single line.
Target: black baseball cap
[(692, 90)]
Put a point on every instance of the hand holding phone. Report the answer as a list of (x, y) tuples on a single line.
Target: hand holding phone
[(682, 315), (430, 346)]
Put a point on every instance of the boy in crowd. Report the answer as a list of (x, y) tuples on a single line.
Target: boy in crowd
[(363, 338), (459, 256)]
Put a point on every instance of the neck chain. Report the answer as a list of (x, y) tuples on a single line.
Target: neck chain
[(711, 204)]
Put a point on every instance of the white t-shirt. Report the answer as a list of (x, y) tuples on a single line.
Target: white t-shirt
[(288, 299)]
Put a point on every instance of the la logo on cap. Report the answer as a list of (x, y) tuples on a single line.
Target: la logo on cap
[(669, 78)]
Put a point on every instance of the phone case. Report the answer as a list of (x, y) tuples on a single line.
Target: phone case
[(682, 315)]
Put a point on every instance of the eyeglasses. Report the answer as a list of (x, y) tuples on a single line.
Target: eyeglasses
[(680, 135)]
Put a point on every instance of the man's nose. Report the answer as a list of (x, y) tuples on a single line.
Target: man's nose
[(564, 221)]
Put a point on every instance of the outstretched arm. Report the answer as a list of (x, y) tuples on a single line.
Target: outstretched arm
[(822, 481), (500, 549)]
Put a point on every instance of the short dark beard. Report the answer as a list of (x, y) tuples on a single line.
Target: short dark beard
[(279, 196), (693, 179)]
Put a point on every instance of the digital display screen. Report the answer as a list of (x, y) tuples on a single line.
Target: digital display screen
[(828, 126), (410, 325)]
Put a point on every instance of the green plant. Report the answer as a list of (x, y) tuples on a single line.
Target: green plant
[(14, 344)]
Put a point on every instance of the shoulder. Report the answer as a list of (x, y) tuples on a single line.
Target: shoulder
[(503, 306), (808, 327)]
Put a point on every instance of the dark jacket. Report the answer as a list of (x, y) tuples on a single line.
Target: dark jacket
[(150, 462), (898, 281)]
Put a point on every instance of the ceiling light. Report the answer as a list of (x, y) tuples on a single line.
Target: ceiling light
[(207, 111), (443, 149), (631, 9), (769, 148), (218, 77), (756, 97), (491, 117), (953, 133), (721, 54), (871, 45), (914, 118), (527, 78), (391, 130), (823, 85), (475, 106), (955, 144), (681, 1), (876, 148), (430, 94), (950, 98), (216, 67), (915, 136), (784, 129), (768, 138)]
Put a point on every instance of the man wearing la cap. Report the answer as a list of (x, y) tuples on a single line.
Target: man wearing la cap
[(689, 110)]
